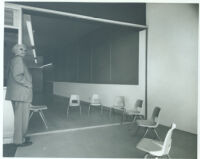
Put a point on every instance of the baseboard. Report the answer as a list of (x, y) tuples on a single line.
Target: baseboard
[(60, 98)]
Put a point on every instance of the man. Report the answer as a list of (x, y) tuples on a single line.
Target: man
[(19, 91)]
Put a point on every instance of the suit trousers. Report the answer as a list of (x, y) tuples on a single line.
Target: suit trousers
[(21, 119)]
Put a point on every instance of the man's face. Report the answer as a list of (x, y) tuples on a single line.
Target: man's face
[(21, 51)]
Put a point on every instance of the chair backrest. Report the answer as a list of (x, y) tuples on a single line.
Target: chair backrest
[(155, 113), (168, 140), (138, 104), (95, 99), (119, 101), (74, 100)]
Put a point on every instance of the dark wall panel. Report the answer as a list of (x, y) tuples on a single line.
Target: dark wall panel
[(101, 62), (84, 54), (124, 58), (59, 63), (73, 65), (68, 64), (106, 56)]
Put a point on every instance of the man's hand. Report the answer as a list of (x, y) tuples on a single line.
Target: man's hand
[(29, 85)]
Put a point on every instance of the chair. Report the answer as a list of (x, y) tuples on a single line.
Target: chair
[(95, 101), (39, 109), (136, 111), (151, 123), (74, 101), (119, 104), (157, 148)]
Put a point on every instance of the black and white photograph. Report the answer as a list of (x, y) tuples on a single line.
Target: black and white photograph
[(100, 79)]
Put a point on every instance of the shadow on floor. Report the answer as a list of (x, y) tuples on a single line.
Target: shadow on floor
[(9, 150)]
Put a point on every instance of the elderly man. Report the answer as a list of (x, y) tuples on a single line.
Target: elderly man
[(19, 91)]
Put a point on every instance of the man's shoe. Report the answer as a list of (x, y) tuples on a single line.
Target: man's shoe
[(26, 143), (27, 139)]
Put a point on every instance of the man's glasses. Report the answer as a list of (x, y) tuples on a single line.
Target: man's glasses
[(22, 49)]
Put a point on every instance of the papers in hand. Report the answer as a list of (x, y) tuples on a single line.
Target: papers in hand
[(46, 66)]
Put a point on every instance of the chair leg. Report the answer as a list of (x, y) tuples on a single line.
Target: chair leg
[(110, 113), (67, 112), (147, 129), (130, 125), (168, 156), (146, 155), (157, 134), (138, 128), (134, 119), (141, 116), (31, 115), (101, 109), (80, 111), (43, 118), (122, 120), (89, 110), (125, 116)]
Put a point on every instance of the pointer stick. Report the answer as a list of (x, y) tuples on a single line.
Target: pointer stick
[(47, 65), (30, 33)]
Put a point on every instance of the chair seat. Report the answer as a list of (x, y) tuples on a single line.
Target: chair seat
[(118, 108), (75, 105), (95, 104), (155, 147), (133, 112), (151, 146), (38, 107), (146, 123)]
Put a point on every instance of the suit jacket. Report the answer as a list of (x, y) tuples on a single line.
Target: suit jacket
[(19, 85)]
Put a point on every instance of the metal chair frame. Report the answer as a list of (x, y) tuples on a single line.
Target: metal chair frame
[(119, 104), (135, 112), (74, 101), (95, 101), (39, 109), (155, 115), (158, 148)]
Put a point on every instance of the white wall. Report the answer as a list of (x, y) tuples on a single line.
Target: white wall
[(107, 92), (8, 120), (172, 63)]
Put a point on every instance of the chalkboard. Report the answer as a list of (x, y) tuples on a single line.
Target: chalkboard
[(84, 52), (124, 58), (106, 56), (72, 60), (101, 62)]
